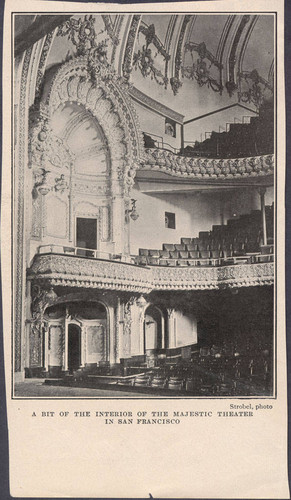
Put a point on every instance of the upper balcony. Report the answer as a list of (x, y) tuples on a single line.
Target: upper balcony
[(67, 266)]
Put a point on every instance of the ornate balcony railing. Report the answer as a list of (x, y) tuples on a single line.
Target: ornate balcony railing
[(207, 168), (75, 271)]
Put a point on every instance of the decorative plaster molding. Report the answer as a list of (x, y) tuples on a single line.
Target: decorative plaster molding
[(175, 80), (201, 168), (69, 271), (201, 70), (107, 99), (21, 161), (128, 53), (154, 105), (42, 63)]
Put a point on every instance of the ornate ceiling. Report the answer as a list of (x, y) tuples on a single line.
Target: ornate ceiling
[(186, 62)]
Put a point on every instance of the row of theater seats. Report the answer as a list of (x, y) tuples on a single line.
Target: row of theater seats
[(240, 240), (212, 257), (215, 371), (242, 139)]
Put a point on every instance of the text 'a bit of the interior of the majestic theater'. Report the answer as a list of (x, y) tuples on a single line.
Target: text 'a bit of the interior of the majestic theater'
[(144, 205)]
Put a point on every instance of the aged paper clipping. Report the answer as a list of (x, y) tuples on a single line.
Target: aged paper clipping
[(143, 249)]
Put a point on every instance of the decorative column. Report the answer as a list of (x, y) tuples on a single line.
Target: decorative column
[(171, 327), (163, 332), (66, 343), (262, 192), (83, 345), (141, 304), (118, 225), (46, 348), (182, 139)]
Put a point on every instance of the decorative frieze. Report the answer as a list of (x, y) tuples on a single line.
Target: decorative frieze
[(201, 168), (79, 272)]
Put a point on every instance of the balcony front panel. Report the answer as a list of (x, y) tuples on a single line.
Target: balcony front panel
[(208, 168), (65, 270)]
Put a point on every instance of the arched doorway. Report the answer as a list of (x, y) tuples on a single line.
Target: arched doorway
[(153, 330), (74, 347)]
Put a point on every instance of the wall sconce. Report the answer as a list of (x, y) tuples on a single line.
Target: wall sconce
[(132, 212), (41, 184)]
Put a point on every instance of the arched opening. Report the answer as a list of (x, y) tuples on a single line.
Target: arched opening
[(74, 347), (153, 330), (77, 335)]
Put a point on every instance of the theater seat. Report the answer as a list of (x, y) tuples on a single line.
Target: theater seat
[(163, 262), (203, 246), (158, 382), (194, 255), (169, 247), (184, 255), (186, 241), (164, 254), (153, 261), (143, 251), (180, 247), (175, 383), (205, 254), (154, 253), (227, 253), (142, 381), (141, 260), (174, 255), (192, 247)]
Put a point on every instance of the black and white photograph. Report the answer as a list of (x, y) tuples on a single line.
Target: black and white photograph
[(144, 205)]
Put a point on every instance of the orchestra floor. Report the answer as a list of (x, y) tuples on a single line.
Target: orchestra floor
[(35, 388)]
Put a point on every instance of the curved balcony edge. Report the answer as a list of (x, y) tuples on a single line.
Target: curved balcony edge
[(207, 168), (63, 270)]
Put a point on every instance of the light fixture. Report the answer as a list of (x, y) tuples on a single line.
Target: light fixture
[(41, 184), (51, 295), (132, 212)]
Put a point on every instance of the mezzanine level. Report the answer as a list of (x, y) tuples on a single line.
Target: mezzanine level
[(55, 266)]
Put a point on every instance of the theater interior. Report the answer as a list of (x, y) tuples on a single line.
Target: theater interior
[(144, 200)]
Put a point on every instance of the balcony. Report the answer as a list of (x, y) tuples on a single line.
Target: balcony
[(56, 266)]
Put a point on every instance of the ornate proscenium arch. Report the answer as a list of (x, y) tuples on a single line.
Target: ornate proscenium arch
[(97, 88)]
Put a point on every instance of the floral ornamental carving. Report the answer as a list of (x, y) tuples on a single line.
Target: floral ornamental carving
[(110, 30), (61, 184), (128, 53), (44, 147), (258, 89), (41, 299), (200, 70), (80, 32), (201, 168), (74, 82), (175, 80), (144, 58), (62, 270)]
